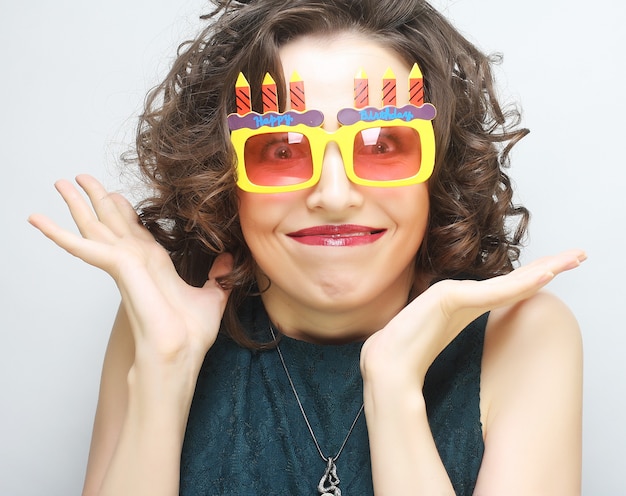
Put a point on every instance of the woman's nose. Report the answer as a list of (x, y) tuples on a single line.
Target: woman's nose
[(334, 191)]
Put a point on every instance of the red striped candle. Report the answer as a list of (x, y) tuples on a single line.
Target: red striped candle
[(270, 97), (296, 93), (361, 90), (242, 95), (389, 88), (416, 86)]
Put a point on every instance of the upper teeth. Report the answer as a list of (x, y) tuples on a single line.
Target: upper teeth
[(343, 235)]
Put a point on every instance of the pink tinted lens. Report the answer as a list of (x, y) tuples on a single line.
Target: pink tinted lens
[(387, 153), (277, 159)]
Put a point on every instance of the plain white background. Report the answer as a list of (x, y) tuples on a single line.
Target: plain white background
[(74, 75)]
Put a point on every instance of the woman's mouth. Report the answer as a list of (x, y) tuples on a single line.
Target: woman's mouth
[(337, 235)]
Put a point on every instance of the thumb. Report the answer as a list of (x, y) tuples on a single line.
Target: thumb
[(222, 266)]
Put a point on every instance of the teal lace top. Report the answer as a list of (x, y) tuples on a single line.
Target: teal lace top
[(246, 434)]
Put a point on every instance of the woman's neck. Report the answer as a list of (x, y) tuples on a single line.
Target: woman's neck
[(331, 324)]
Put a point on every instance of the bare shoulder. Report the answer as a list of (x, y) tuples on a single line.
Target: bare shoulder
[(526, 341), (531, 399), (542, 317), (542, 324)]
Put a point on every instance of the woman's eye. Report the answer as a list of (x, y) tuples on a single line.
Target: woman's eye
[(375, 141), (379, 148), (386, 142), (276, 147), (283, 153)]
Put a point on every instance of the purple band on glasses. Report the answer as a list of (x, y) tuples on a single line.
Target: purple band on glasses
[(407, 113), (311, 118)]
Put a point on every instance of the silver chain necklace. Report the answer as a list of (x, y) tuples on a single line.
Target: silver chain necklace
[(329, 483)]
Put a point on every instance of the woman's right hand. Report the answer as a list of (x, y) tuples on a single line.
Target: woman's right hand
[(157, 346), (170, 320)]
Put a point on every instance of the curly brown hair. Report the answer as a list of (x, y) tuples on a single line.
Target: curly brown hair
[(184, 152)]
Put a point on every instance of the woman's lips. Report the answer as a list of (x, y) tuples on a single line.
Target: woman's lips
[(337, 235)]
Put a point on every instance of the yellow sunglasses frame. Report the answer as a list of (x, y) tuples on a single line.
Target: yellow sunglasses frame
[(344, 137)]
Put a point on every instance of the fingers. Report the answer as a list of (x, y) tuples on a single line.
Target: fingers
[(50, 229), (556, 264), (104, 217), (111, 210), (511, 288), (80, 210), (124, 208), (91, 252), (532, 277), (222, 265), (102, 220)]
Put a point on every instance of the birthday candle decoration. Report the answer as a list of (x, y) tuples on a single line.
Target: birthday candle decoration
[(416, 86), (242, 95), (296, 92), (361, 90), (389, 88), (270, 96)]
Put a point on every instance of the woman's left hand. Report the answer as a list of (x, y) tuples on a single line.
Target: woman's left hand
[(406, 347)]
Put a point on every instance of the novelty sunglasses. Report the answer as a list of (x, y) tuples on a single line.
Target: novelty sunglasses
[(282, 152)]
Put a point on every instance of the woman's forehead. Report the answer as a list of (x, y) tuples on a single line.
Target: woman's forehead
[(328, 68)]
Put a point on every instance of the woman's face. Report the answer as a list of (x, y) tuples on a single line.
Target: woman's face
[(339, 256)]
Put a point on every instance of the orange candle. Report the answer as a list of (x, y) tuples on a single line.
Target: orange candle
[(389, 88), (296, 92), (416, 86), (242, 95), (270, 96), (361, 90)]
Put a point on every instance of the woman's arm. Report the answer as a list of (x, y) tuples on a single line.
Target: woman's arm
[(394, 362), (140, 422), (137, 439), (403, 452), (532, 401), (112, 402), (161, 336)]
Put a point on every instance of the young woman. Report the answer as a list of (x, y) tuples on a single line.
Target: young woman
[(320, 296)]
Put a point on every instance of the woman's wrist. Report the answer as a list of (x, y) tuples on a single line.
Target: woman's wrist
[(389, 374), (167, 383), (382, 396), (403, 453)]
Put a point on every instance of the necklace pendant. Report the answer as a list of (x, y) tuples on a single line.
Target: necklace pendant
[(329, 481)]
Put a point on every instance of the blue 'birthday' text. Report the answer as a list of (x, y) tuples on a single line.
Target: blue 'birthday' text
[(386, 114)]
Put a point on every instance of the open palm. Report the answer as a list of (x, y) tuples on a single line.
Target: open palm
[(165, 313)]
